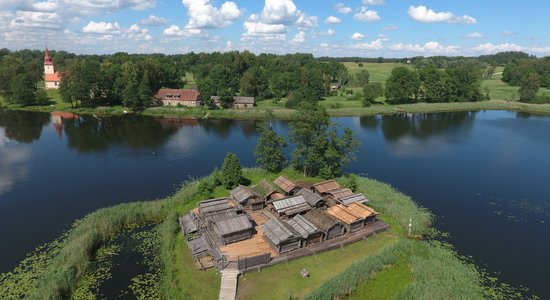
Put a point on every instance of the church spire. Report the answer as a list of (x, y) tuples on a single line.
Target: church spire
[(47, 58)]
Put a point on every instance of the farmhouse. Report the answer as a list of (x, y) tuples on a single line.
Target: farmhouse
[(238, 101), (285, 184), (327, 225), (234, 229), (291, 206), (351, 220), (175, 97), (280, 236), (324, 187), (310, 233)]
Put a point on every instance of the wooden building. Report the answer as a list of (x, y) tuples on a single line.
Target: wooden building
[(291, 206), (267, 192), (359, 198), (314, 200), (238, 101), (214, 210), (175, 97), (351, 220), (287, 185), (234, 229), (280, 236), (188, 224), (327, 225), (339, 193), (244, 195), (325, 186), (310, 233), (367, 213)]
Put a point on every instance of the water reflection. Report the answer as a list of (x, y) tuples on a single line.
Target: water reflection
[(14, 162), (24, 127)]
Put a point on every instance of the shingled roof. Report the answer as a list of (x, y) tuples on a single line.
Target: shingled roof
[(285, 184), (340, 193), (302, 226), (236, 224), (353, 198), (242, 193), (291, 205), (278, 232), (320, 219), (344, 214), (362, 210), (311, 198), (326, 186)]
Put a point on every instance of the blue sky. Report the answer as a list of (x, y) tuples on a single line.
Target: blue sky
[(369, 28)]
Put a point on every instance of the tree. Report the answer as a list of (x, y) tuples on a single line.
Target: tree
[(254, 83), (529, 88), (269, 150), (402, 85), (23, 90), (371, 91), (362, 78), (350, 181), (231, 171)]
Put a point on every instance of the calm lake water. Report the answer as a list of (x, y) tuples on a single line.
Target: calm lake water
[(486, 175)]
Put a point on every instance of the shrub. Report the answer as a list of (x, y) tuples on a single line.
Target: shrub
[(231, 171)]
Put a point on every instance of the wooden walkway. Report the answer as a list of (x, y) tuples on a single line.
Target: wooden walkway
[(228, 289)]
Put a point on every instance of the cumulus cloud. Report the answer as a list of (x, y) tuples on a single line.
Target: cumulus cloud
[(422, 14), (153, 20), (357, 36), (102, 28), (374, 2), (324, 45), (299, 38), (36, 20), (366, 15), (474, 35), (203, 14), (332, 20), (175, 32), (429, 48), (94, 6), (342, 8), (489, 48), (374, 45)]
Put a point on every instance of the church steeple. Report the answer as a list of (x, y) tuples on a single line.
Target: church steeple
[(47, 58)]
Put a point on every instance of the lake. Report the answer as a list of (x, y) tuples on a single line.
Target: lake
[(485, 175)]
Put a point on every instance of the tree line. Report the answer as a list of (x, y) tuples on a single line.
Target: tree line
[(530, 74)]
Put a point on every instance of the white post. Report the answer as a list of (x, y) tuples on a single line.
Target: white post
[(410, 225)]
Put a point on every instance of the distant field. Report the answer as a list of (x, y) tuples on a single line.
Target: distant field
[(378, 72)]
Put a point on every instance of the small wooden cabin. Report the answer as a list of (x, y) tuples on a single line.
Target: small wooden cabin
[(188, 224), (339, 193), (266, 193), (359, 198), (327, 225), (310, 233), (242, 194), (291, 206), (280, 236), (234, 229), (314, 200), (214, 210), (367, 213), (323, 187), (287, 185), (352, 221)]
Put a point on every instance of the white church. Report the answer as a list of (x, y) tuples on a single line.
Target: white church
[(51, 77)]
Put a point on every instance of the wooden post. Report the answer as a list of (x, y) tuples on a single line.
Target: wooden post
[(410, 226)]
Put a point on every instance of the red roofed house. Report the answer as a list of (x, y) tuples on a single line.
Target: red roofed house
[(175, 97), (51, 77)]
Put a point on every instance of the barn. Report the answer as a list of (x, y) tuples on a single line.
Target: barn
[(310, 233), (285, 184), (280, 236), (234, 229), (291, 206), (323, 187), (314, 200), (351, 220), (327, 225)]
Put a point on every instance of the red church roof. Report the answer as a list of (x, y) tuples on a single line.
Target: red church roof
[(177, 95), (47, 58), (52, 77)]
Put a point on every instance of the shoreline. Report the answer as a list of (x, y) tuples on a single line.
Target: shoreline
[(260, 113)]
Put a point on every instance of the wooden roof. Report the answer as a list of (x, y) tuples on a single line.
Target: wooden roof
[(277, 196), (242, 193), (302, 226), (320, 219), (340, 193), (344, 214), (188, 224), (353, 198), (361, 210), (311, 198), (285, 184), (236, 224), (325, 186), (278, 232), (264, 188), (177, 95), (236, 99), (213, 205), (291, 205)]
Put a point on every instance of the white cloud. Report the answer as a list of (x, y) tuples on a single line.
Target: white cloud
[(429, 47), (139, 34), (474, 35), (374, 2), (333, 20), (324, 45), (545, 50), (343, 9), (366, 15), (489, 48), (202, 14), (102, 28), (305, 22), (357, 36), (374, 45), (94, 6), (153, 20), (36, 20), (256, 28), (299, 38), (174, 32), (45, 6), (390, 28), (280, 12), (423, 14), (228, 46)]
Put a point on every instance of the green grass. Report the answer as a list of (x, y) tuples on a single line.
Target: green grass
[(387, 284), (284, 279), (377, 72), (190, 81)]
